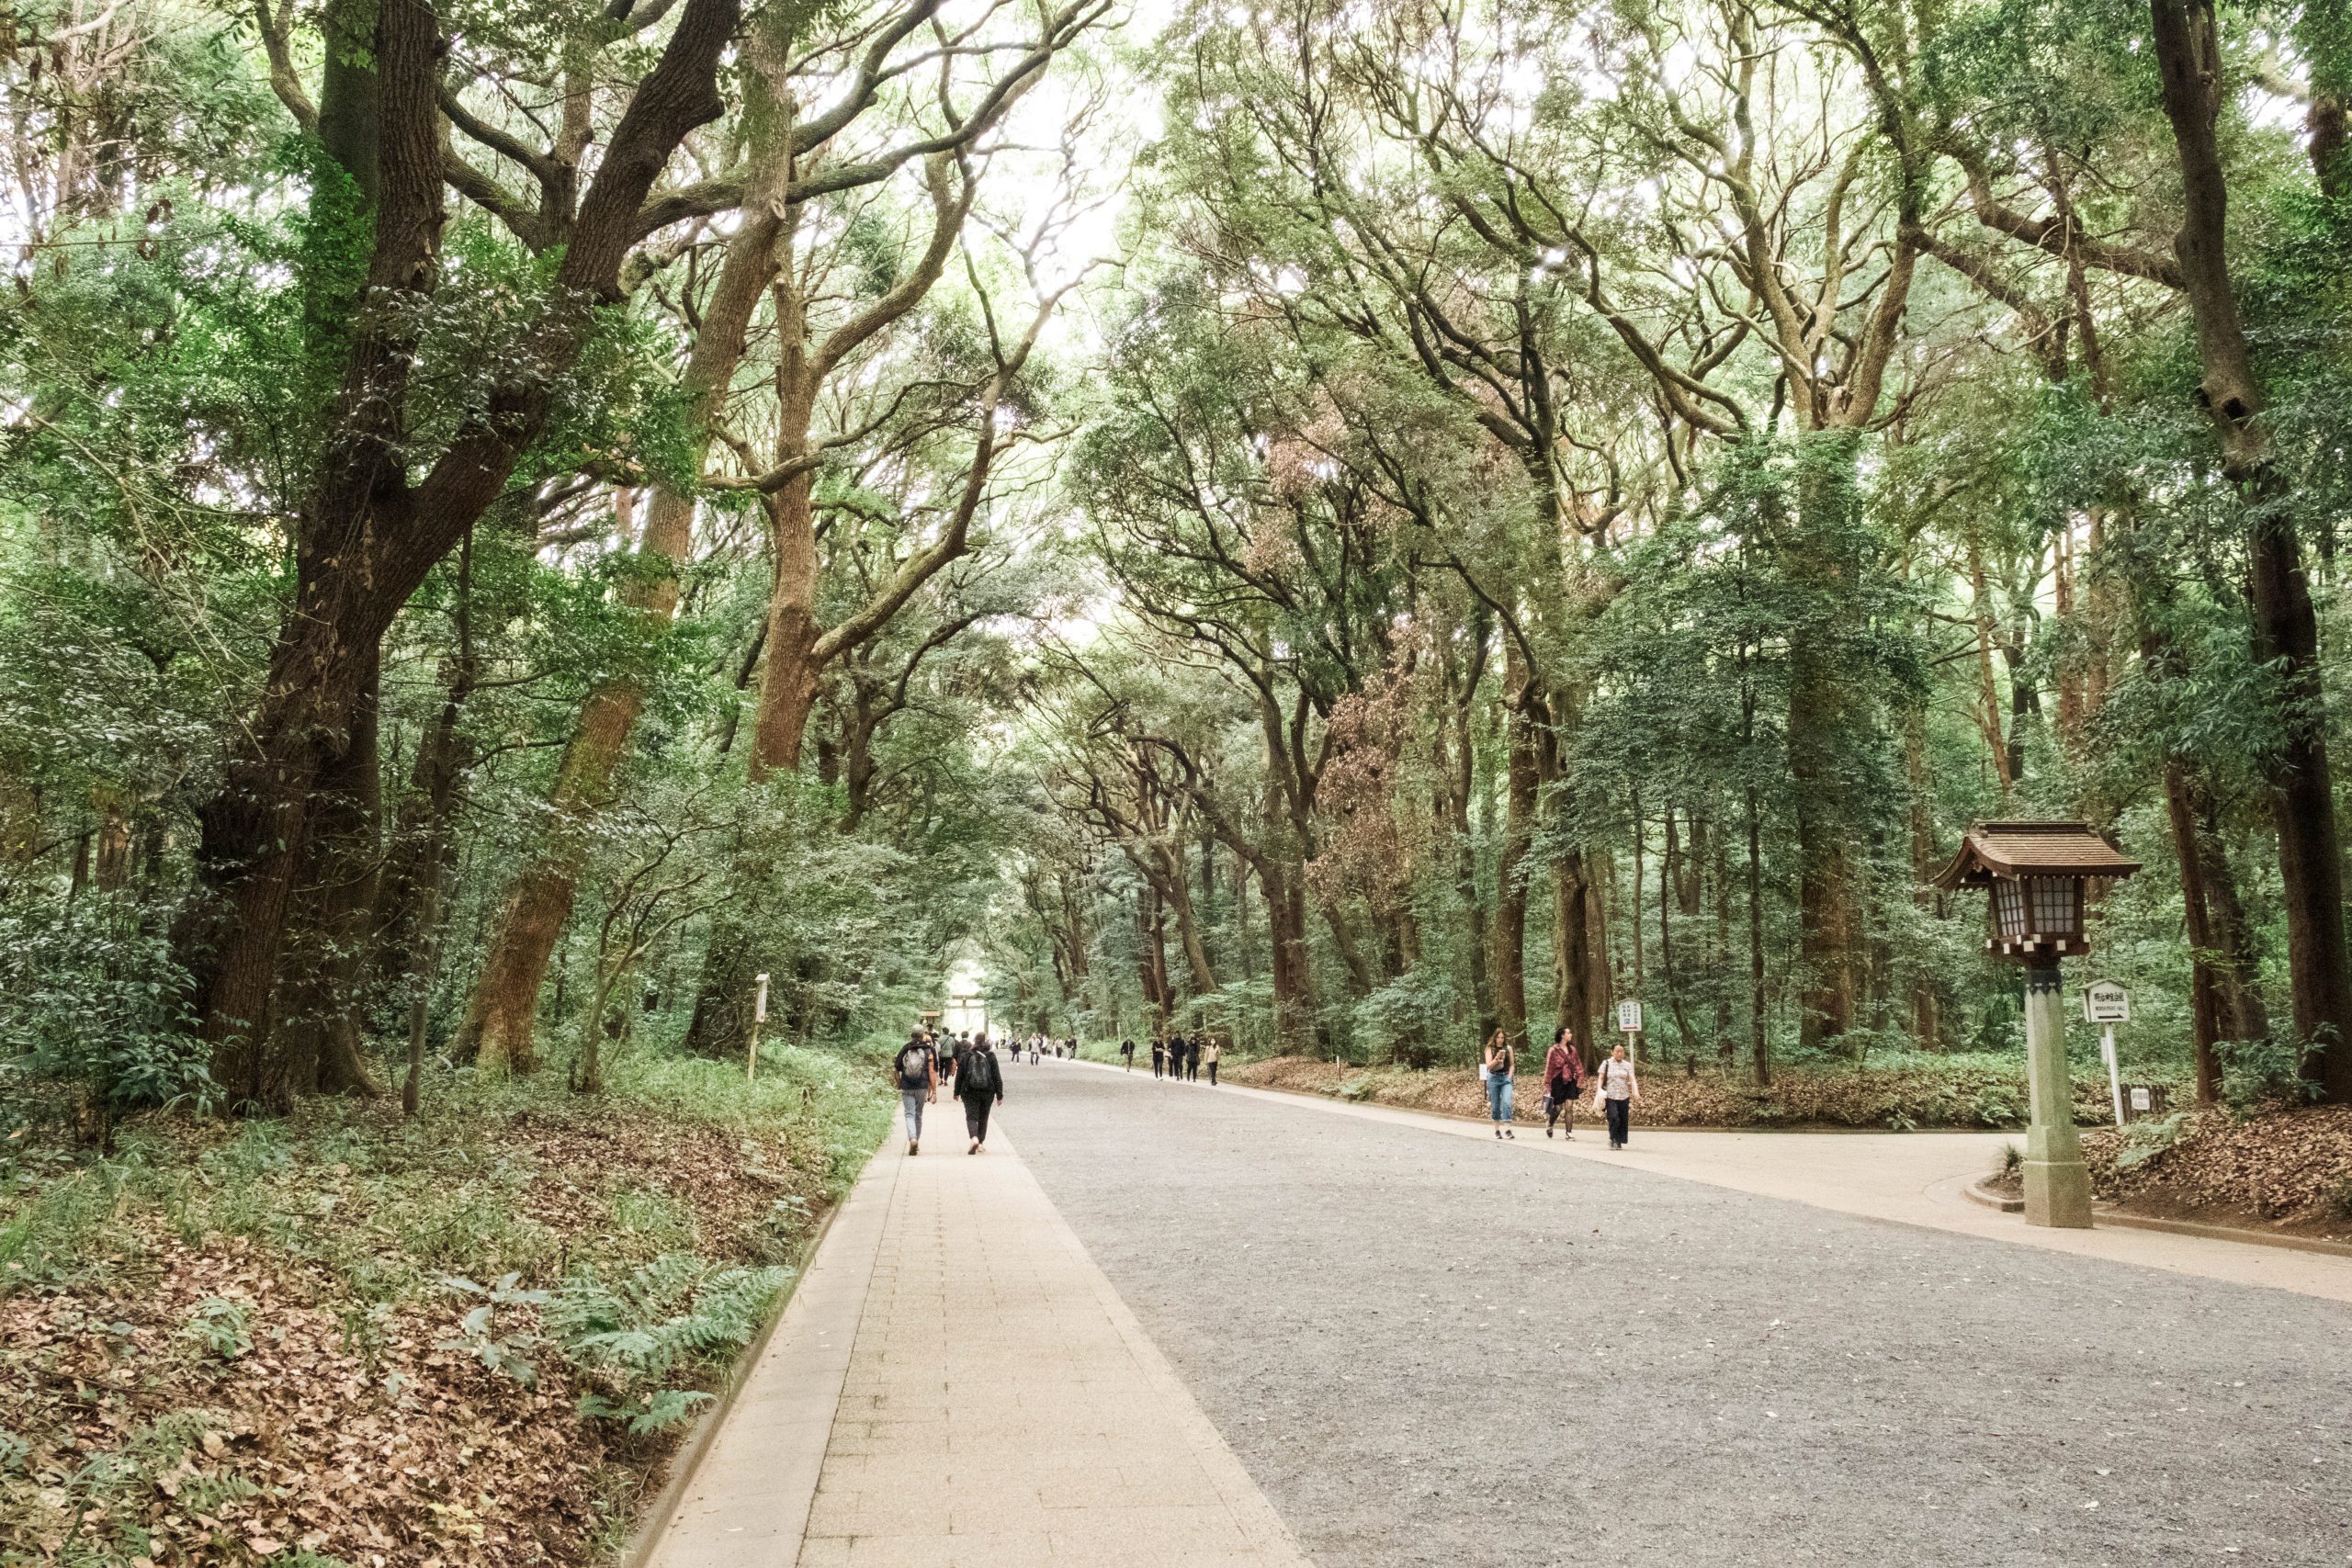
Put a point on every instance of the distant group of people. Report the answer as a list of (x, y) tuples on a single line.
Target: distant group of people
[(1040, 1047), (1615, 1088), (1177, 1057), (967, 1067)]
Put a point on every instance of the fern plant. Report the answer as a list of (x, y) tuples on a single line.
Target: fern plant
[(632, 1337)]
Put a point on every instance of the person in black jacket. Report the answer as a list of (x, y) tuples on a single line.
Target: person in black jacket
[(980, 1084)]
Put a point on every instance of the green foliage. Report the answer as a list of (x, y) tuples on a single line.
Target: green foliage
[(91, 995), (483, 1334), (630, 1335), (221, 1327), (2255, 1073), (2143, 1141)]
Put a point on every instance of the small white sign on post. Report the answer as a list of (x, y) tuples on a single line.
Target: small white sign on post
[(2103, 1001), (1629, 1017), (2138, 1096), (2105, 1004), (759, 1016)]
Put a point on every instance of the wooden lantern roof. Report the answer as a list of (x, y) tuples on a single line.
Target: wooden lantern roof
[(2006, 852)]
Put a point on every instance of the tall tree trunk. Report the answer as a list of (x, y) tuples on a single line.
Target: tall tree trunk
[(316, 1043), (1460, 771), (1828, 732), (1509, 929), (1926, 1010), (1153, 951), (2310, 867), (2224, 1001), (368, 535)]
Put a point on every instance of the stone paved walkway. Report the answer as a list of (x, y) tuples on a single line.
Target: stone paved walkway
[(997, 1404)]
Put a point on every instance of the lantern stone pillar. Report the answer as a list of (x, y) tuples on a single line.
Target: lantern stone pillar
[(2041, 876), (2057, 1184)]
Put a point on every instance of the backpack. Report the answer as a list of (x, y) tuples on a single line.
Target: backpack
[(978, 1075), (914, 1063)]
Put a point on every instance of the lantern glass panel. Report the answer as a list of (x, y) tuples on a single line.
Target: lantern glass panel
[(2009, 909), (2057, 905)]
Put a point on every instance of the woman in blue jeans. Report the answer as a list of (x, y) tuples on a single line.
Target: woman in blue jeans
[(1497, 1070)]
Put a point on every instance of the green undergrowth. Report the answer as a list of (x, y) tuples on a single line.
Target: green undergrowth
[(522, 1293)]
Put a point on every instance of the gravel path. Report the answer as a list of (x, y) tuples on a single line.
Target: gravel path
[(1433, 1350)]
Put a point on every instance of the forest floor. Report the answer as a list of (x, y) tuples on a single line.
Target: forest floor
[(2287, 1169), (1949, 1092), (344, 1337)]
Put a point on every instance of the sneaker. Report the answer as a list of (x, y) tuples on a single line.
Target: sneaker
[(1511, 1135), (974, 1148), (914, 1146), (1549, 1131)]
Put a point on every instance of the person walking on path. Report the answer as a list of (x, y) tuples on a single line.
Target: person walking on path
[(1159, 1057), (1617, 1088), (918, 1083), (1498, 1068), (1128, 1054), (1193, 1060), (1563, 1080), (980, 1084), (1212, 1055)]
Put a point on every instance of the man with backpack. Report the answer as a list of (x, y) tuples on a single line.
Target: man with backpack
[(980, 1084), (918, 1071)]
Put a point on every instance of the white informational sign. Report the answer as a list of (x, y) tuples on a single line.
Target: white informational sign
[(2103, 1001), (2138, 1096), (1629, 1017), (760, 1003)]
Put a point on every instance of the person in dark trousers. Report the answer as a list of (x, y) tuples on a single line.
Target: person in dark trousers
[(980, 1084), (1563, 1080), (1193, 1060), (1159, 1057), (1496, 1061), (1212, 1054), (1177, 1047), (1128, 1054), (1617, 1088), (918, 1074)]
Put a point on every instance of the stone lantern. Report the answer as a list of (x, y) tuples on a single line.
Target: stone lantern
[(2040, 875)]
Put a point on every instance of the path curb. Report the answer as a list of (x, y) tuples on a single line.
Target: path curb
[(653, 1518), (2106, 1214), (2103, 1214), (1977, 1192)]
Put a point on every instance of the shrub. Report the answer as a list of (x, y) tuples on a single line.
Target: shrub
[(90, 996), (634, 1336), (2143, 1141), (2255, 1072)]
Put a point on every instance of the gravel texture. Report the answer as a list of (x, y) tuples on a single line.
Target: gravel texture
[(1429, 1350)]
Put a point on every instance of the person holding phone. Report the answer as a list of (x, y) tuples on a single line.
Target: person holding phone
[(1496, 1066), (1616, 1087)]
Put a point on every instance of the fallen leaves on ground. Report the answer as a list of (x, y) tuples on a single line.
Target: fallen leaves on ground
[(2286, 1167), (264, 1362)]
